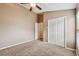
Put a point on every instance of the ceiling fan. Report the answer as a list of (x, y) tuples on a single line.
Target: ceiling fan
[(33, 5)]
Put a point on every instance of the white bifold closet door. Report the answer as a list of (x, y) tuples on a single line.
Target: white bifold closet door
[(56, 31)]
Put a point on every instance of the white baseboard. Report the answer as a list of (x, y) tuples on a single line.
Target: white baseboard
[(71, 49), (14, 45)]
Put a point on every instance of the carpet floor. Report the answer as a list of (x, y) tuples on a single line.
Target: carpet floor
[(36, 48)]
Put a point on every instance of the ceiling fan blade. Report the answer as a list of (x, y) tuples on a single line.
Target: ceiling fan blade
[(31, 9), (38, 7)]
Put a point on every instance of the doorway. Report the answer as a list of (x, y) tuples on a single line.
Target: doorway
[(36, 31)]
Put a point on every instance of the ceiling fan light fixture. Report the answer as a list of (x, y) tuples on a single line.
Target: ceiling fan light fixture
[(33, 4)]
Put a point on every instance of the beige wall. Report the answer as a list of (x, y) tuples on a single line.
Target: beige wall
[(69, 25), (16, 24)]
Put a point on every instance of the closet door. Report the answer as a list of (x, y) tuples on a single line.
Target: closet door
[(52, 31), (56, 31)]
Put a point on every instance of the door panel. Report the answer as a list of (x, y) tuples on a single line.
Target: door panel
[(56, 31)]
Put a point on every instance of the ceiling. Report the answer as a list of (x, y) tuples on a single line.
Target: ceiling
[(52, 7)]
